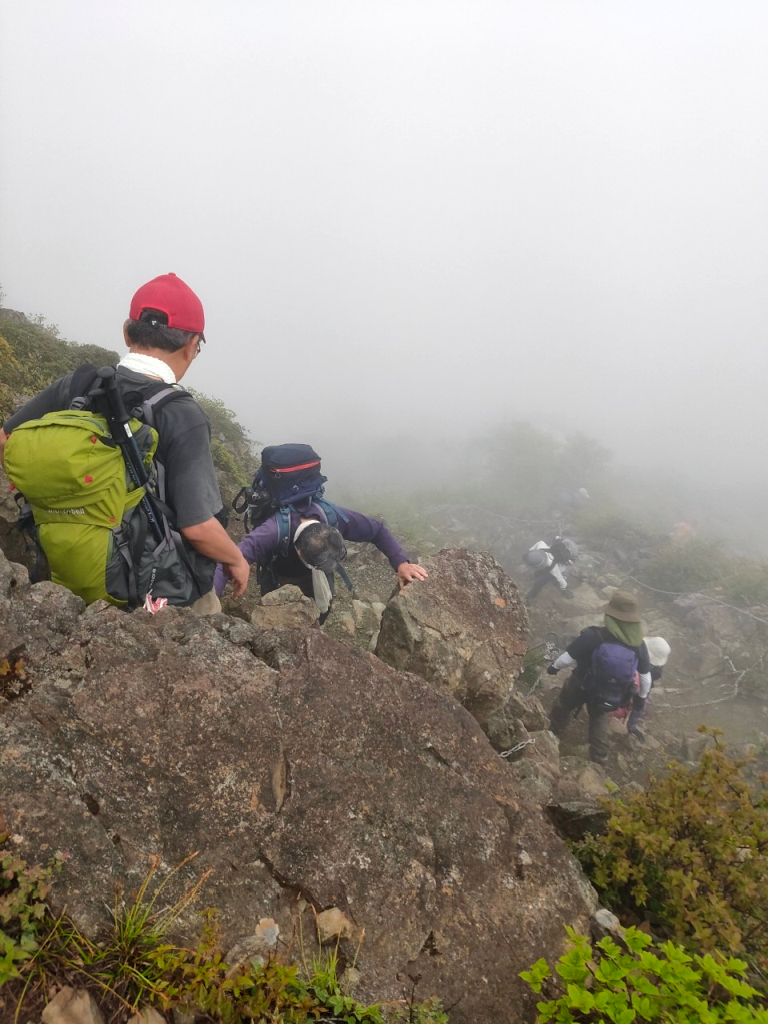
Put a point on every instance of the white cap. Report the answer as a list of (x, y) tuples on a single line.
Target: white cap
[(658, 650)]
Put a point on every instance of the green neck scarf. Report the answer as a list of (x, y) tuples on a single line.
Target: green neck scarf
[(630, 633)]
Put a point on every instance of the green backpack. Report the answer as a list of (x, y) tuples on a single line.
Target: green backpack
[(88, 513)]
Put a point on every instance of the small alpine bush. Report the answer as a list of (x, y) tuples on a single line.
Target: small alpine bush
[(22, 909), (607, 983), (134, 964), (597, 524), (688, 568), (690, 855)]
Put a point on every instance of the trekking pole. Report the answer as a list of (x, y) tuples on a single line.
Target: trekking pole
[(121, 432)]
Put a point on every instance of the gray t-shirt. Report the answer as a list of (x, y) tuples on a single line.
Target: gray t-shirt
[(184, 446)]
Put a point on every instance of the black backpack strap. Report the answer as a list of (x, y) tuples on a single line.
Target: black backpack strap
[(283, 516), (161, 396), (240, 501), (332, 512), (84, 380), (126, 548), (344, 576), (26, 524)]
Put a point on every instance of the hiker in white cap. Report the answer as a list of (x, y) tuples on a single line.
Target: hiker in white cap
[(658, 653)]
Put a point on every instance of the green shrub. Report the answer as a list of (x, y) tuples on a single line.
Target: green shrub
[(747, 583), (22, 909), (134, 964), (606, 983), (598, 524), (690, 855), (39, 356), (687, 568), (533, 663), (233, 454)]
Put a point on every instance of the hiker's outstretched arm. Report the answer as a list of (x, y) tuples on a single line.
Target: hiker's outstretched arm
[(360, 527), (564, 661), (211, 539)]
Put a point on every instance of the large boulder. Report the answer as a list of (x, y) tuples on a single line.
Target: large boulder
[(464, 629), (309, 775), (285, 608)]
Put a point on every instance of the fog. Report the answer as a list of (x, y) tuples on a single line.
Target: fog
[(414, 220)]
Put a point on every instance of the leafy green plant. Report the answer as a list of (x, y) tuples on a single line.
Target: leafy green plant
[(533, 663), (134, 964), (687, 568), (607, 983), (38, 356), (690, 855), (23, 890), (597, 524), (230, 435)]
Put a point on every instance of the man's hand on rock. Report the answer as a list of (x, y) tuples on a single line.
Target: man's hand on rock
[(408, 571), (238, 573), (552, 671)]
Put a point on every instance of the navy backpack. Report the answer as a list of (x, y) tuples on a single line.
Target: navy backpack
[(614, 667), (288, 480)]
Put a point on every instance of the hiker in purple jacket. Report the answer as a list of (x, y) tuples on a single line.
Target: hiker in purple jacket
[(607, 662), (315, 551)]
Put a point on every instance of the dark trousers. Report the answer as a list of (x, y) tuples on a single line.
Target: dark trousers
[(541, 579), (571, 697)]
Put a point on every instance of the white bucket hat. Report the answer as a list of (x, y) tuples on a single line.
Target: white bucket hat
[(658, 650)]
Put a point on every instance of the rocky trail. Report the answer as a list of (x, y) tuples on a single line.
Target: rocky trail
[(393, 769)]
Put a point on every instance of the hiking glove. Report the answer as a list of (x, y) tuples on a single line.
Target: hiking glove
[(568, 594), (551, 670)]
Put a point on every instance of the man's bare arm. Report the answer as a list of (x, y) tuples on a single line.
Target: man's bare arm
[(211, 539)]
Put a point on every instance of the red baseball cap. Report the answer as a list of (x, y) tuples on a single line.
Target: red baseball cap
[(170, 295)]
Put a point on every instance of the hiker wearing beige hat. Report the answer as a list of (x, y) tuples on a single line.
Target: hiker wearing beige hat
[(605, 661)]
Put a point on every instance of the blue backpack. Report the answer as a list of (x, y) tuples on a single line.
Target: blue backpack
[(613, 674)]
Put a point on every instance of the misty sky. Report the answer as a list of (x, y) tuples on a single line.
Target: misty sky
[(411, 215)]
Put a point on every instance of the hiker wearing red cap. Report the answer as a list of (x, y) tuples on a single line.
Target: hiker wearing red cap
[(607, 661), (184, 510)]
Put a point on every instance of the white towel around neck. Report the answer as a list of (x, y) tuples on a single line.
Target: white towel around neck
[(149, 366), (321, 588)]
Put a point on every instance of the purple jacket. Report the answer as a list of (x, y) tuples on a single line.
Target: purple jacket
[(260, 543)]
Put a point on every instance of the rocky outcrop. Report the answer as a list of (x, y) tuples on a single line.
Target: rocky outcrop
[(309, 775), (465, 630), (285, 608)]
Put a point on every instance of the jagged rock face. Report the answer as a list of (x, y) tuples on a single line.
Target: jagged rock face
[(297, 766), (465, 630), (285, 608)]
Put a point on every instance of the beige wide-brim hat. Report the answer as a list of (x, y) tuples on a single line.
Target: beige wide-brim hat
[(622, 606)]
